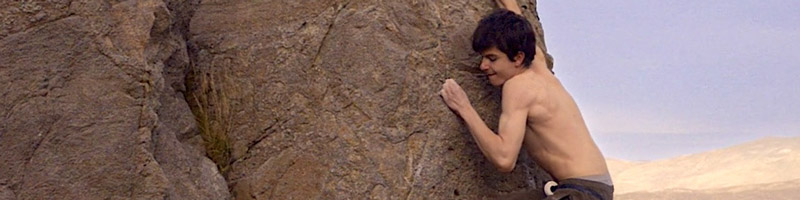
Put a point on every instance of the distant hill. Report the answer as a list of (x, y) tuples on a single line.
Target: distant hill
[(768, 166), (616, 165), (789, 190)]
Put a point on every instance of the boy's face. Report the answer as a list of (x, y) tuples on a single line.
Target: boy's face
[(498, 67)]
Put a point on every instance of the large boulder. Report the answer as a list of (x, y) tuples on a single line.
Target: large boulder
[(337, 99), (92, 105), (168, 99)]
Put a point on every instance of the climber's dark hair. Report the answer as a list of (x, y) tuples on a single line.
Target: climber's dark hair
[(508, 32)]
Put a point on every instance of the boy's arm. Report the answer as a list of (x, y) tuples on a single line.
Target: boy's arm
[(510, 5), (501, 149)]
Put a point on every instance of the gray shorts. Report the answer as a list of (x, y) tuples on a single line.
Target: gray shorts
[(587, 187), (605, 178)]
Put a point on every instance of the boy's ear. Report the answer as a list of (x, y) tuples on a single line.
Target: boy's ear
[(519, 58)]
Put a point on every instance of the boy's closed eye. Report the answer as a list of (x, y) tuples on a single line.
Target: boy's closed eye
[(491, 57)]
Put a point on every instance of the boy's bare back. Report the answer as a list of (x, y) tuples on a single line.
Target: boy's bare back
[(556, 135)]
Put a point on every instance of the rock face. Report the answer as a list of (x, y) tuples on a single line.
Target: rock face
[(91, 105), (325, 99), (338, 99)]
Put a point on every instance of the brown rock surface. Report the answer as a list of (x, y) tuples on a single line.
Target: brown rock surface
[(91, 104), (327, 99), (338, 99)]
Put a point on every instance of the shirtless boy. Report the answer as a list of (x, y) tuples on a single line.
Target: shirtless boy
[(537, 111)]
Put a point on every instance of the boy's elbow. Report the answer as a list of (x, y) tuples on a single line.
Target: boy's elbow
[(505, 161), (506, 166)]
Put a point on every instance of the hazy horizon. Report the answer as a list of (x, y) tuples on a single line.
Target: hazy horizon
[(657, 79)]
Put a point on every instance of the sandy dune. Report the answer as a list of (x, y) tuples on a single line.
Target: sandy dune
[(748, 170), (789, 190)]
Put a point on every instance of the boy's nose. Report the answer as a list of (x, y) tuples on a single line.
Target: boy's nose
[(484, 66)]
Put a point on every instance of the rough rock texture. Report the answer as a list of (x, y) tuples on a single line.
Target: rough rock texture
[(327, 99), (337, 99), (91, 105)]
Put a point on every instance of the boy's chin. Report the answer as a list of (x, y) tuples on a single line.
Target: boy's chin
[(496, 83)]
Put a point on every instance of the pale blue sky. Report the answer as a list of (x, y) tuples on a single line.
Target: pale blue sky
[(656, 79)]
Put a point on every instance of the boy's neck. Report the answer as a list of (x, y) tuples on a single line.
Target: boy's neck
[(539, 68)]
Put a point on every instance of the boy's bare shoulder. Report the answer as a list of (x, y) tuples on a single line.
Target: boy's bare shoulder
[(524, 82), (522, 88)]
